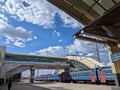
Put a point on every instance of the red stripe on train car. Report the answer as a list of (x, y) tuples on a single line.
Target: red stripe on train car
[(102, 77), (47, 78), (92, 77)]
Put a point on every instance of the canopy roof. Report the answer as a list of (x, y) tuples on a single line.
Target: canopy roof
[(101, 18)]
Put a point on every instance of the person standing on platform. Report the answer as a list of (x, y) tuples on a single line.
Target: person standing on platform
[(9, 84)]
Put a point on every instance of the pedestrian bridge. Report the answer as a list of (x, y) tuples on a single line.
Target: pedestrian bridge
[(16, 63), (11, 63)]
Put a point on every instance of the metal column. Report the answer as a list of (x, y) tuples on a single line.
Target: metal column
[(2, 56), (115, 62), (32, 72)]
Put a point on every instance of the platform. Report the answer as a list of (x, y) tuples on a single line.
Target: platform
[(58, 86)]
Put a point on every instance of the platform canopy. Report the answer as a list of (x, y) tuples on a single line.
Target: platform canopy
[(100, 17), (84, 63)]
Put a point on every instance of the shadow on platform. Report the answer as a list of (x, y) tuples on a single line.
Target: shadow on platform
[(23, 86)]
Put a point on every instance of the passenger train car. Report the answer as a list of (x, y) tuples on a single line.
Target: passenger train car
[(97, 75)]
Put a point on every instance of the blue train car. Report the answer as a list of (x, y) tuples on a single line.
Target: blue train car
[(77, 76), (81, 76), (42, 78), (96, 75), (53, 77), (106, 76)]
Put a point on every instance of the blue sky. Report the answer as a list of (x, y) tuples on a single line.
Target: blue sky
[(38, 27)]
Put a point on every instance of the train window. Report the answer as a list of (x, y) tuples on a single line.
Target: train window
[(87, 74), (77, 74), (80, 75), (73, 75), (84, 74), (108, 73)]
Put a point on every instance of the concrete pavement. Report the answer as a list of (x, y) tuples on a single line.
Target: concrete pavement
[(57, 86), (23, 86)]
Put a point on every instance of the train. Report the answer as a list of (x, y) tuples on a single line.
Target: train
[(101, 75)]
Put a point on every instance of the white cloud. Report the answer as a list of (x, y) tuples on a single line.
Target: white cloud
[(109, 64), (78, 48), (35, 37), (16, 36), (18, 33), (38, 12), (55, 33), (3, 17), (60, 40), (3, 21), (90, 54), (82, 48), (26, 73), (52, 51), (69, 21), (19, 44)]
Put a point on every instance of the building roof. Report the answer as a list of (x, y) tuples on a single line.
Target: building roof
[(105, 29)]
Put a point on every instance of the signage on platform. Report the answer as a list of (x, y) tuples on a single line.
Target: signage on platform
[(115, 57)]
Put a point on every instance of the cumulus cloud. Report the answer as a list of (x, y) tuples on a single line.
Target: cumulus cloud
[(52, 51), (16, 36), (3, 17), (109, 64), (3, 21), (55, 33), (19, 44), (82, 48), (18, 33), (60, 40), (69, 21), (38, 12), (78, 47)]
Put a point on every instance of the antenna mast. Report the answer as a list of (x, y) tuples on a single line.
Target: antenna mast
[(97, 53)]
